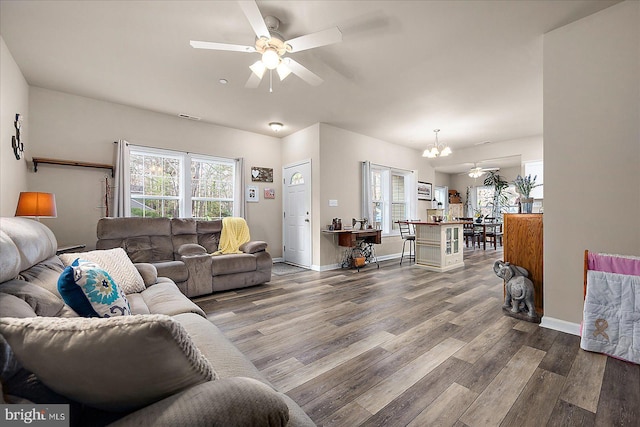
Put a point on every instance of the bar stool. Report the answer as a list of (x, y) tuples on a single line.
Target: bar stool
[(407, 236)]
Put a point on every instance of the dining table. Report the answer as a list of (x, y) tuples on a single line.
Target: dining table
[(487, 225)]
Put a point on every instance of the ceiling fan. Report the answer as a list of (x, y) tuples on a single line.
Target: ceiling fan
[(477, 172), (273, 47)]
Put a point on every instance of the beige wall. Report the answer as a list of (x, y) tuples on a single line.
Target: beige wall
[(591, 151), (71, 127), (14, 98), (341, 155), (336, 156)]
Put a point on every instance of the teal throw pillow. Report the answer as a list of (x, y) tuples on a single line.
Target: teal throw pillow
[(91, 292)]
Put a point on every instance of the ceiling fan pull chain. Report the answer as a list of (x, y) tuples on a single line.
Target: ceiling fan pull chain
[(270, 81)]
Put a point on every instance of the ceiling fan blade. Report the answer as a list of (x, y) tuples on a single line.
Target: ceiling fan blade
[(253, 82), (303, 72), (321, 38), (253, 14), (221, 46)]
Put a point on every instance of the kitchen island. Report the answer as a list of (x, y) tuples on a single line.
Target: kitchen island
[(439, 245)]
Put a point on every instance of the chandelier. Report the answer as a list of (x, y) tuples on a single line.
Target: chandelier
[(436, 149)]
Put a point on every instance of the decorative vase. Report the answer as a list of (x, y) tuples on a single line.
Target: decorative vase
[(527, 204)]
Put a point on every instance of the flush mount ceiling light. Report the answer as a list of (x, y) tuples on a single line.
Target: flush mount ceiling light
[(275, 126), (436, 149)]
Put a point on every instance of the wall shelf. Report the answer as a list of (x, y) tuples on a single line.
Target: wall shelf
[(43, 160)]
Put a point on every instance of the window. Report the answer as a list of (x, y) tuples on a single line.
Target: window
[(391, 196), (212, 188), (536, 169), (173, 184), (297, 179), (155, 184), (484, 198)]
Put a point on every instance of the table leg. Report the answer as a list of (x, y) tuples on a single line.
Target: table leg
[(484, 237)]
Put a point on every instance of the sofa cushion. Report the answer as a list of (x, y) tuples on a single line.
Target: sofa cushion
[(138, 248), (116, 263), (225, 358), (233, 263), (91, 292), (45, 274), (165, 298), (148, 272), (174, 270), (253, 247), (23, 243), (41, 301), (137, 304), (123, 362), (209, 234), (12, 306), (229, 402)]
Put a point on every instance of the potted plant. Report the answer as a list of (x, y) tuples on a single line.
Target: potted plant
[(500, 193), (524, 185)]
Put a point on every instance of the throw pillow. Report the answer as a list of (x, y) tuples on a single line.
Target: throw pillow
[(116, 263), (91, 292), (115, 364)]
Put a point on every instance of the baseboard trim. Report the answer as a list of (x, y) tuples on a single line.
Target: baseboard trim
[(560, 325), (279, 259)]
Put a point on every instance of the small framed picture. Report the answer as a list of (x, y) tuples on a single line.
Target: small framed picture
[(269, 193), (252, 194), (425, 190)]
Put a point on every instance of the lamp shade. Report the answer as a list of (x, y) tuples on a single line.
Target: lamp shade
[(37, 204)]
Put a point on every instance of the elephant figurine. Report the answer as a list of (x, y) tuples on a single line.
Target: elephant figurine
[(519, 288)]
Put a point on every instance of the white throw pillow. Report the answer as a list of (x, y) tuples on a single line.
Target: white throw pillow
[(116, 262), (116, 364)]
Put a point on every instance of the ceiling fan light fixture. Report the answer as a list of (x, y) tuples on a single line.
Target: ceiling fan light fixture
[(258, 69), (270, 59), (276, 126), (283, 71), (476, 173)]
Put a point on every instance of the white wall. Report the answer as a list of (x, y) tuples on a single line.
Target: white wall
[(14, 98), (302, 146), (591, 150), (70, 127)]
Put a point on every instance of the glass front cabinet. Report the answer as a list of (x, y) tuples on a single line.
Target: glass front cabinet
[(439, 246)]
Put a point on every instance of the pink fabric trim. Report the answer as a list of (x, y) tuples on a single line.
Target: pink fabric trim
[(613, 264)]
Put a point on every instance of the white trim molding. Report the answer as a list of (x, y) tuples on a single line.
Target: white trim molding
[(560, 325)]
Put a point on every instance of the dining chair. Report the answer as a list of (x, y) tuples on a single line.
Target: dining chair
[(470, 232), (407, 236), (494, 233)]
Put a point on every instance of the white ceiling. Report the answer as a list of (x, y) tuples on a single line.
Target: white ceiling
[(470, 68)]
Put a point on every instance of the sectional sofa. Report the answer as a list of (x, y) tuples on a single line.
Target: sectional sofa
[(181, 248), (165, 364)]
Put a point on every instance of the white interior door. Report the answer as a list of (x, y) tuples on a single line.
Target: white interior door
[(297, 214)]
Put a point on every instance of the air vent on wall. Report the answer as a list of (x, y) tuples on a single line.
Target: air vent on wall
[(188, 117)]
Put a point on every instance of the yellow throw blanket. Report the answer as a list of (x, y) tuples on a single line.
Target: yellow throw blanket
[(235, 232)]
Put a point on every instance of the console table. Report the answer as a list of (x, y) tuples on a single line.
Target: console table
[(358, 241), (439, 245)]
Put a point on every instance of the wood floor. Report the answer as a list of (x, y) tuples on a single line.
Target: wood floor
[(401, 346)]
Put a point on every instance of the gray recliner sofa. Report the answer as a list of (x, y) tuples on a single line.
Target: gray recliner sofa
[(181, 248), (29, 272)]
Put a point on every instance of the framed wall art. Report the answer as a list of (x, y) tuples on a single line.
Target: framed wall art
[(261, 174), (252, 194), (425, 190), (269, 193)]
